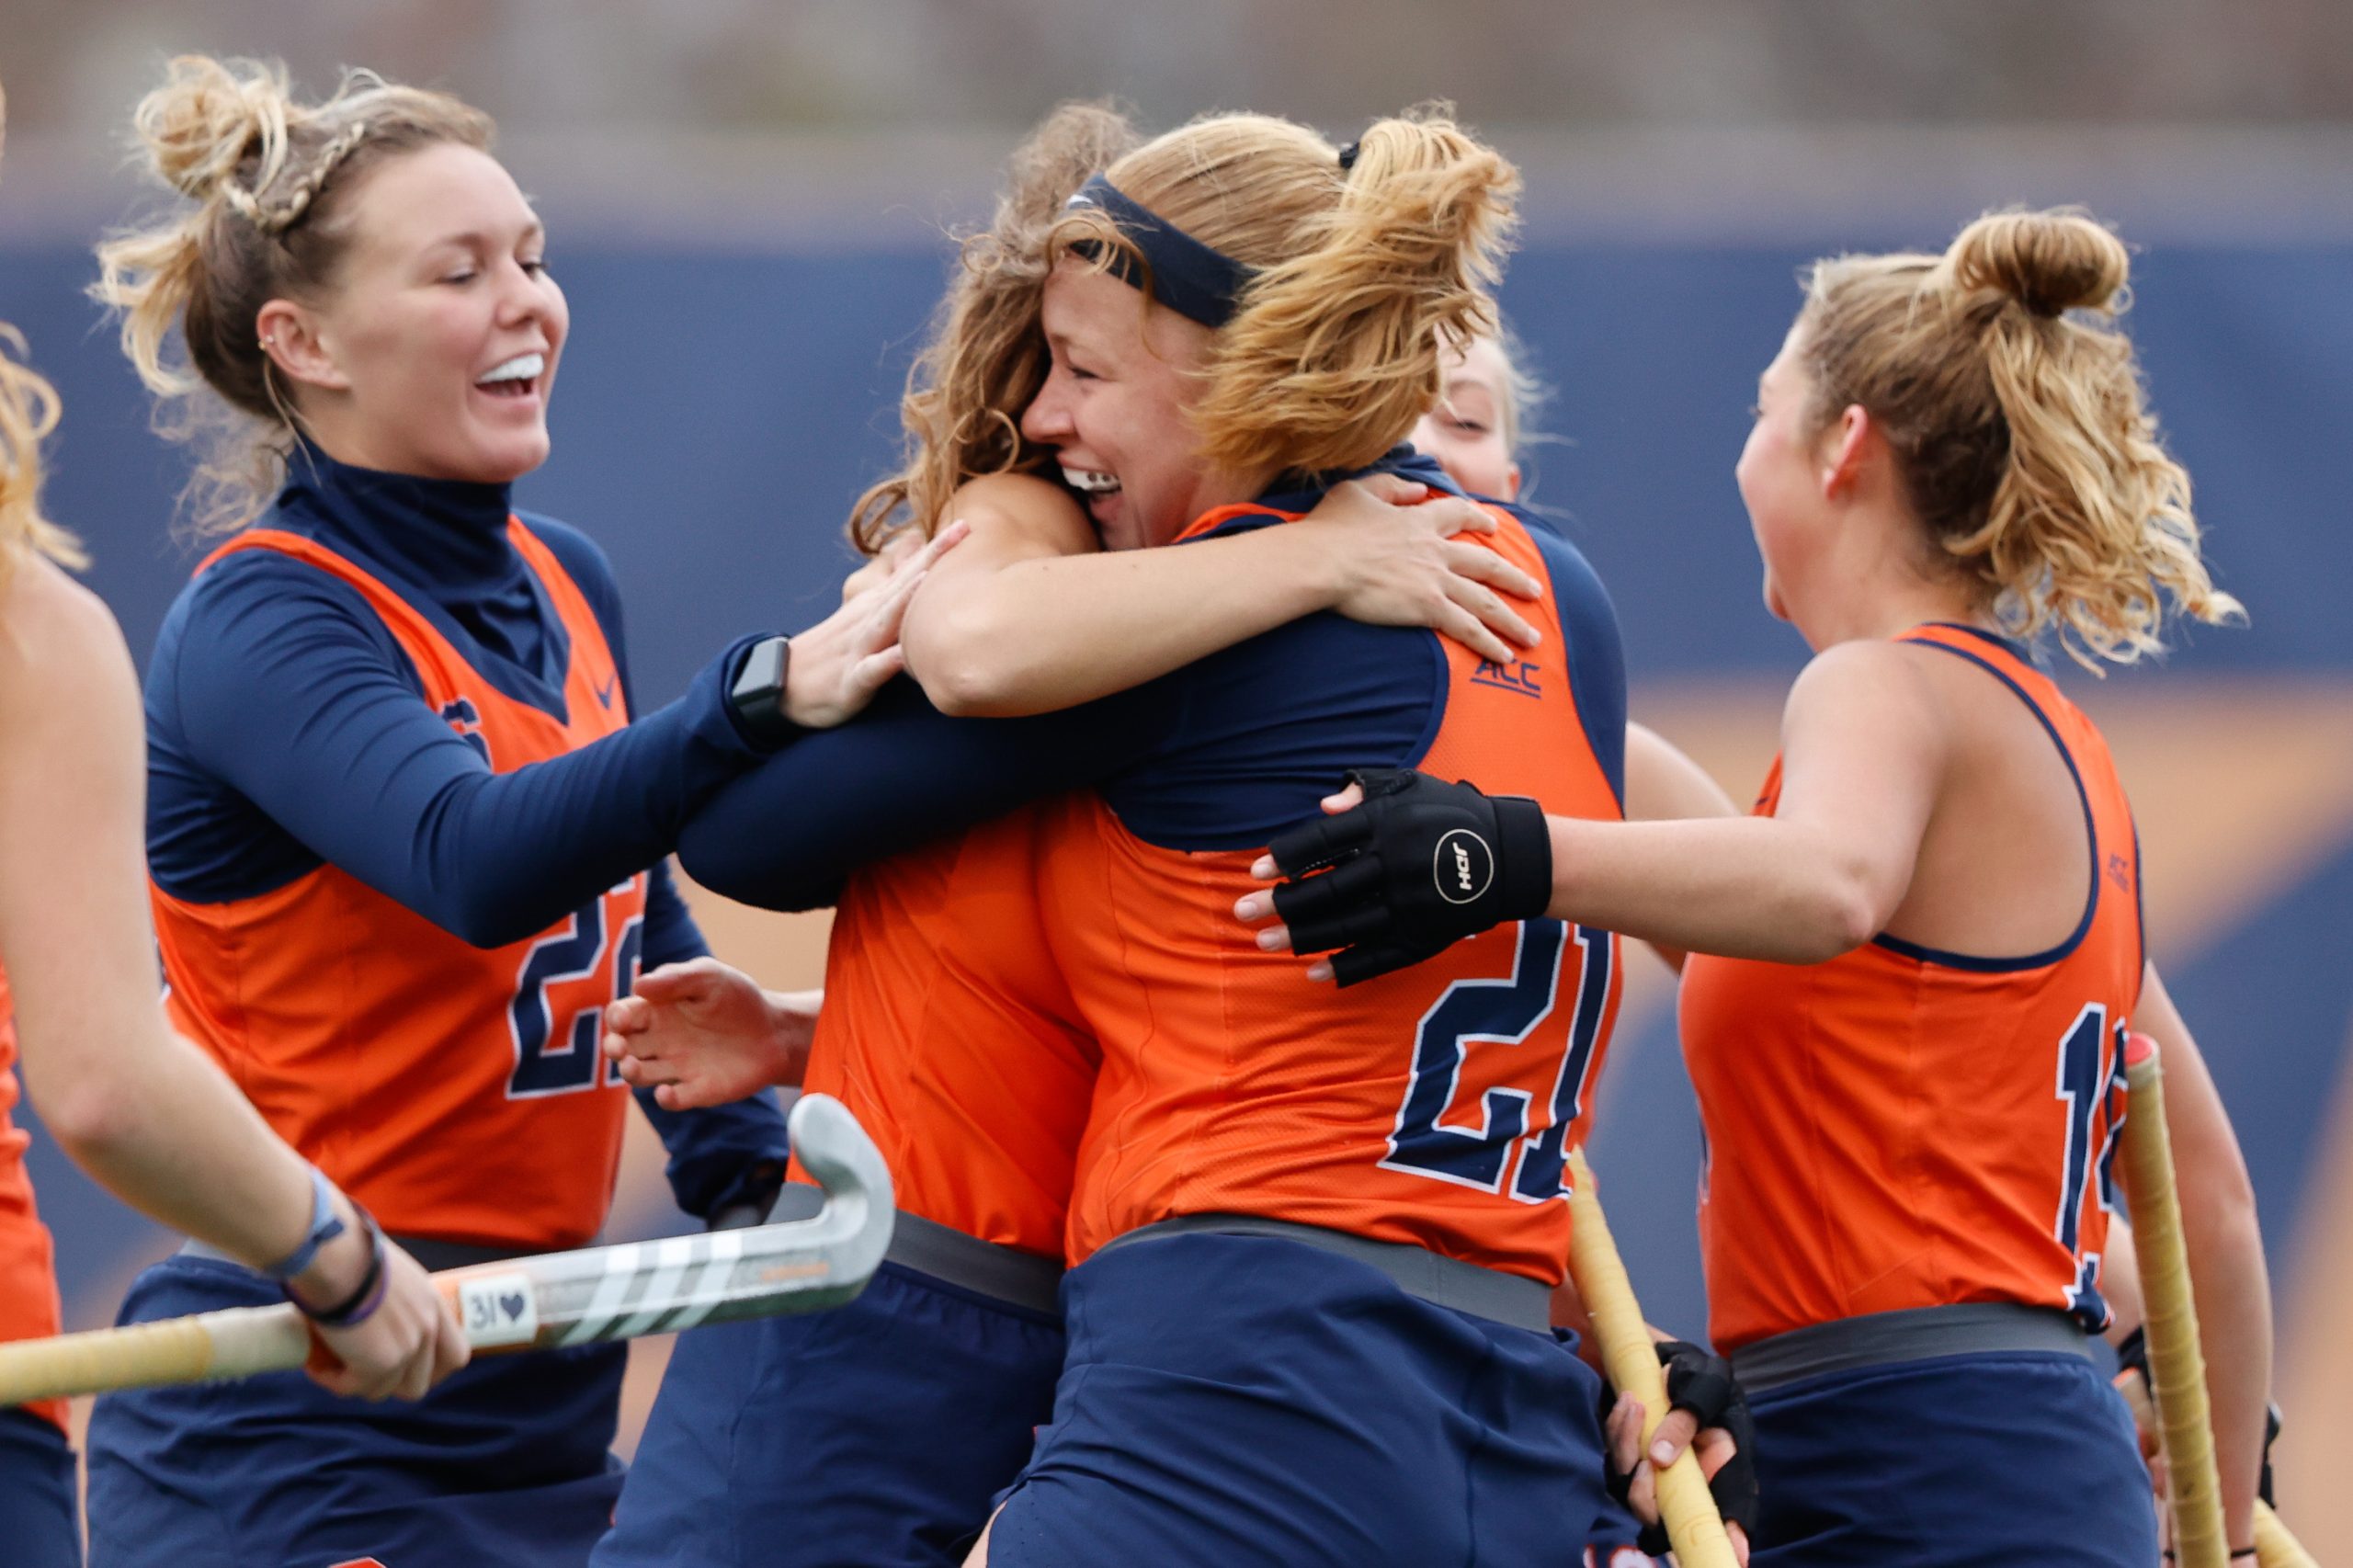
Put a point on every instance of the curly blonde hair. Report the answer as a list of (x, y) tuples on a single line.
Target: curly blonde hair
[(268, 178), (2015, 408), (986, 356), (1362, 276)]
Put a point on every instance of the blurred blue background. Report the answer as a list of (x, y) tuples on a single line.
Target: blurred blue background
[(751, 259)]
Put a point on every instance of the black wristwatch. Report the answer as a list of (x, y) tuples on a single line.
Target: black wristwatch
[(757, 696)]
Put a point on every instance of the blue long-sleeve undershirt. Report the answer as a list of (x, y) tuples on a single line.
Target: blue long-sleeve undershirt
[(286, 730), (785, 835)]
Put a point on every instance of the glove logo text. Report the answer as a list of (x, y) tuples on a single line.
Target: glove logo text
[(1463, 866)]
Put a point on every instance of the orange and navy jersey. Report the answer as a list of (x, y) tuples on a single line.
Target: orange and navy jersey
[(950, 1033), (1434, 1106), (29, 1301), (1904, 1127), (455, 1090)]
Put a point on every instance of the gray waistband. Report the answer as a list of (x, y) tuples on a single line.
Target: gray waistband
[(1879, 1339), (1005, 1274), (1443, 1281), (433, 1255)]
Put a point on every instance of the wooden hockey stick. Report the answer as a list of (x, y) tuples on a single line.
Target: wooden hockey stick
[(2176, 1364), (1631, 1356)]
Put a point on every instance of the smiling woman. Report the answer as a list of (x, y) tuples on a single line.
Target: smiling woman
[(394, 720)]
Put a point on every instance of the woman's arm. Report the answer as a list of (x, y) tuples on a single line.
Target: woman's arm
[(2227, 1274), (1863, 757), (1861, 760), (1031, 615), (283, 685), (138, 1107), (1663, 785), (784, 836)]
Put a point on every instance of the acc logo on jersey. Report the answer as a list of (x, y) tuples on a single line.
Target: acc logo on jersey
[(1519, 677), (1462, 866)]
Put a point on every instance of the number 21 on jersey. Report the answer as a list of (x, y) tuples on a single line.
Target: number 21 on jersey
[(1498, 1141)]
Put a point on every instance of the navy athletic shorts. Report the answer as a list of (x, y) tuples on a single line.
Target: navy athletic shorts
[(1253, 1400), (871, 1435), (38, 1521), (1958, 1461), (506, 1465)]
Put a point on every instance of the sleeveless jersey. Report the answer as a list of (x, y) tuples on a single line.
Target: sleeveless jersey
[(1433, 1106), (28, 1303), (950, 1034), (1904, 1128), (456, 1091)]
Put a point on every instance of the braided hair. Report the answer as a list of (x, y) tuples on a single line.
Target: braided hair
[(267, 178)]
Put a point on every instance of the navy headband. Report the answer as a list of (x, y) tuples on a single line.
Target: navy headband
[(1191, 278)]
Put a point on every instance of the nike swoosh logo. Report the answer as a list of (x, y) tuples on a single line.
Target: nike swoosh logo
[(605, 692)]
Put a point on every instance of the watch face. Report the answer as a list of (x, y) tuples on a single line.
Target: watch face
[(757, 696), (764, 670)]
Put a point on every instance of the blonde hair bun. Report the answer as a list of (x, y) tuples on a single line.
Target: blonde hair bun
[(264, 173), (2051, 262), (207, 117)]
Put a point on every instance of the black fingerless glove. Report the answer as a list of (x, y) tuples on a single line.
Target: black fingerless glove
[(1703, 1384), (1419, 866)]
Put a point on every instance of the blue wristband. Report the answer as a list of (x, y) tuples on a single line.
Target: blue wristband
[(325, 1225)]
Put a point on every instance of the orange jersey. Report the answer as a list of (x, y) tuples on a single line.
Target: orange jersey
[(28, 1303), (1904, 1127), (456, 1091), (1434, 1106), (950, 1033)]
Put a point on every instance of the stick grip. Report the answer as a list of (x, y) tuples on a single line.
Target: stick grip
[(1631, 1356), (236, 1343), (2275, 1545), (2176, 1364)]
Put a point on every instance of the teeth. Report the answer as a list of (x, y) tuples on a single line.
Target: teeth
[(522, 368), (1090, 482)]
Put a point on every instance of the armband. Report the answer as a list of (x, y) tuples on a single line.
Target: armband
[(325, 1225), (367, 1296)]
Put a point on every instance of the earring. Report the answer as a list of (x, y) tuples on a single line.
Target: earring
[(268, 343)]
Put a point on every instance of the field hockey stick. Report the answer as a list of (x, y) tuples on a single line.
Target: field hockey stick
[(1629, 1353), (2176, 1364), (529, 1303), (2275, 1545)]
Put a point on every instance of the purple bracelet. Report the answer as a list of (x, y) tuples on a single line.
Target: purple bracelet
[(367, 1296)]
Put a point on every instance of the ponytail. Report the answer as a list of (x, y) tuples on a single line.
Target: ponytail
[(1335, 351), (2015, 409)]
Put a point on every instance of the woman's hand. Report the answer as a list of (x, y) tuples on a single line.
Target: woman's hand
[(408, 1344), (702, 1034), (839, 664), (1402, 565), (877, 568), (1714, 1448)]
